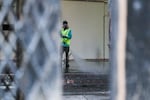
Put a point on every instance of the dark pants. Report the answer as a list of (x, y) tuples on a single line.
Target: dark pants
[(66, 50)]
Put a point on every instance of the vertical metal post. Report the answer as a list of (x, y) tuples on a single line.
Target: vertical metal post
[(118, 43)]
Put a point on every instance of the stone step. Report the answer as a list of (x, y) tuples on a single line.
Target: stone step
[(85, 83)]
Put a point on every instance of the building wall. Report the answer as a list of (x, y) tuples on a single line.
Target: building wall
[(86, 19)]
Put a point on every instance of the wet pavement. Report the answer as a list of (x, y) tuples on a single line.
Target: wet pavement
[(93, 66), (82, 85), (86, 97), (79, 83)]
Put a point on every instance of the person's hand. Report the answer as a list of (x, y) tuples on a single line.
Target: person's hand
[(64, 36), (64, 43)]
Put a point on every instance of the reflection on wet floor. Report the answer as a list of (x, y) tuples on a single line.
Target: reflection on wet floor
[(93, 66)]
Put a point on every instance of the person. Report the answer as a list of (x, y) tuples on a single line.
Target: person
[(66, 36)]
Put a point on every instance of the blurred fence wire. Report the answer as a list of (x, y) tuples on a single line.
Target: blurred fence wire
[(31, 40)]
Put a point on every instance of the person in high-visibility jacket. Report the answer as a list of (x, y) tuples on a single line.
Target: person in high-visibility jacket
[(66, 36)]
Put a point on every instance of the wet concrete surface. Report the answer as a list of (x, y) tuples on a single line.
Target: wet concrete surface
[(78, 83), (82, 85), (94, 66), (86, 97)]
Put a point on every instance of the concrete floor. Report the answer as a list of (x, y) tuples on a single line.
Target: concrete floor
[(86, 97), (88, 66)]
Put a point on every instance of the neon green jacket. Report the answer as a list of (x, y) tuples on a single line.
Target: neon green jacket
[(66, 36)]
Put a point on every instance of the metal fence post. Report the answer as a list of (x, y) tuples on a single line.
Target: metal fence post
[(118, 17)]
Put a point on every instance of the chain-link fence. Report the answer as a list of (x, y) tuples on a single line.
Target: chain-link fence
[(29, 50)]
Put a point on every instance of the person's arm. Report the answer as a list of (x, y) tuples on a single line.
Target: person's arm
[(70, 35)]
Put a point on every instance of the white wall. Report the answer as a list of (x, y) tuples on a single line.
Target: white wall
[(86, 21)]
